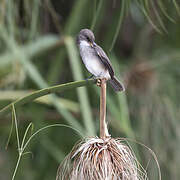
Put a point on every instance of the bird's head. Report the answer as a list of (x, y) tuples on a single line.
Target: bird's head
[(86, 37)]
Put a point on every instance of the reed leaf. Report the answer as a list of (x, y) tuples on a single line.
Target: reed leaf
[(96, 14), (46, 91), (121, 15), (15, 94), (82, 92)]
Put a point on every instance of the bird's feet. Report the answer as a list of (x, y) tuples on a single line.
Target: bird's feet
[(99, 81)]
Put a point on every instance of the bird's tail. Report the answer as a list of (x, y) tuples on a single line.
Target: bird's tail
[(116, 84)]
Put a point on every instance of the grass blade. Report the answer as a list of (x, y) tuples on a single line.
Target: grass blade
[(75, 19), (163, 9), (17, 94), (158, 16), (96, 14), (176, 6), (41, 83), (82, 92), (46, 91), (16, 126), (121, 16), (10, 133), (47, 127), (34, 19), (142, 8)]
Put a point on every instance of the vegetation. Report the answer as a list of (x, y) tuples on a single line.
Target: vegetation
[(38, 50)]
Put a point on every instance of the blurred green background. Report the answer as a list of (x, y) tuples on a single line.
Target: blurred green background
[(37, 50)]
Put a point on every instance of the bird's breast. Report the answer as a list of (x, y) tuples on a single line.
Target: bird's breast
[(93, 62)]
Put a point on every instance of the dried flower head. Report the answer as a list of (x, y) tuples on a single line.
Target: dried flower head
[(141, 78), (101, 159)]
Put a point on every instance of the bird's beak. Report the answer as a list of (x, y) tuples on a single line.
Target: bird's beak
[(92, 44)]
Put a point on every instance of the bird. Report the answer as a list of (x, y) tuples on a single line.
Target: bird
[(96, 60)]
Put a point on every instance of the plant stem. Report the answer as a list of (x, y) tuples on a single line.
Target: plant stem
[(46, 91), (103, 125), (17, 165)]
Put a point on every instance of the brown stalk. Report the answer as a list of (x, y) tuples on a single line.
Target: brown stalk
[(103, 125)]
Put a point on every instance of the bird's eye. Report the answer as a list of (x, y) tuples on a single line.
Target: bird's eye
[(88, 39)]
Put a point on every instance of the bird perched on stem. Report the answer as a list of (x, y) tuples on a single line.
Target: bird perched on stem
[(96, 60)]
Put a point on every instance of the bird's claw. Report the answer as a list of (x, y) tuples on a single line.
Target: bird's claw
[(98, 82)]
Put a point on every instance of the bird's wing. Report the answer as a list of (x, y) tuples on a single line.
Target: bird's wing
[(104, 59)]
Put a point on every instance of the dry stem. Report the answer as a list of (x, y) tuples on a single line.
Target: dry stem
[(103, 125)]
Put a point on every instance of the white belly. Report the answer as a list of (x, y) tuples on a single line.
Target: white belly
[(95, 67), (92, 62)]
